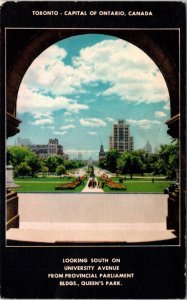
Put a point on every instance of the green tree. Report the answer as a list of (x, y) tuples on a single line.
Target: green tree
[(102, 164), (52, 163), (159, 167), (60, 160), (74, 164), (44, 170), (60, 170), (130, 163), (111, 160), (152, 158), (168, 161), (81, 164), (71, 164), (23, 169), (17, 154), (147, 159), (34, 163), (67, 164)]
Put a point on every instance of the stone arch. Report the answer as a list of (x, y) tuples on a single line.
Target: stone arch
[(36, 41), (44, 38)]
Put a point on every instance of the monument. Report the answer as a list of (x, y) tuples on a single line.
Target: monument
[(9, 177)]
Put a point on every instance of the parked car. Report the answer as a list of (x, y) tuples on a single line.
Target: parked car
[(171, 188)]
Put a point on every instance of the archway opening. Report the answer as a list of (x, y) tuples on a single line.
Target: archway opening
[(71, 92)]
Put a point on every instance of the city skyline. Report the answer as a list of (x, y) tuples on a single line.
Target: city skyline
[(101, 152), (79, 87)]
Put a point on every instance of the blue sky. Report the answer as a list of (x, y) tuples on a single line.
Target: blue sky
[(77, 88)]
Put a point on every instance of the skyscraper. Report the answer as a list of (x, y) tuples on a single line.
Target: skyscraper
[(148, 148), (79, 158), (23, 141), (120, 138)]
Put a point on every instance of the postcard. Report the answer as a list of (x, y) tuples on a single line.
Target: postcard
[(93, 159)]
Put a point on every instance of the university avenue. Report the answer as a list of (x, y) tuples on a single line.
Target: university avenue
[(87, 268)]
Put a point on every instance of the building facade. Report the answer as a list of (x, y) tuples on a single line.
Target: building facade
[(120, 138), (23, 141), (79, 157), (148, 147), (102, 154), (52, 148)]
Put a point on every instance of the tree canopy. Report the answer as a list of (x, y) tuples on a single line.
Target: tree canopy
[(164, 162)]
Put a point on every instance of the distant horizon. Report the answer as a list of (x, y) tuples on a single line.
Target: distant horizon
[(79, 87), (77, 152)]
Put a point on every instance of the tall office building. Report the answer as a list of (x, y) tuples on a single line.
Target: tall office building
[(23, 141), (120, 138), (79, 157), (148, 148)]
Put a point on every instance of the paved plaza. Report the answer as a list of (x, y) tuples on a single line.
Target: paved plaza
[(91, 217)]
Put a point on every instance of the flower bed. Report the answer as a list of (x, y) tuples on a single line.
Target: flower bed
[(70, 185), (112, 185)]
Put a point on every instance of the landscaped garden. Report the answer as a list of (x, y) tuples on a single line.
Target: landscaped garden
[(50, 184), (112, 185), (135, 185), (136, 171)]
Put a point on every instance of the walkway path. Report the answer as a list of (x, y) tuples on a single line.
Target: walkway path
[(88, 189)]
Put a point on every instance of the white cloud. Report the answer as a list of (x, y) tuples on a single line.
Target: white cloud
[(67, 126), (110, 119), (48, 73), (37, 104), (44, 121), (144, 123), (160, 114), (92, 133), (46, 68), (51, 127), (59, 132), (69, 120), (90, 101), (67, 113), (92, 122), (138, 92), (128, 71), (38, 115), (167, 106)]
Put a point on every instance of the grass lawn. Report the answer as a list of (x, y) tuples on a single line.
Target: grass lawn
[(46, 179), (141, 187), (140, 178), (46, 185)]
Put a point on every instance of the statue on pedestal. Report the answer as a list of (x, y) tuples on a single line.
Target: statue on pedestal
[(9, 174)]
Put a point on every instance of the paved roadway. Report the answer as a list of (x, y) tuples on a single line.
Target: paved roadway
[(97, 171)]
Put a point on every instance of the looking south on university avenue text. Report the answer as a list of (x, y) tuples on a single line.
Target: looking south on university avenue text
[(93, 161)]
